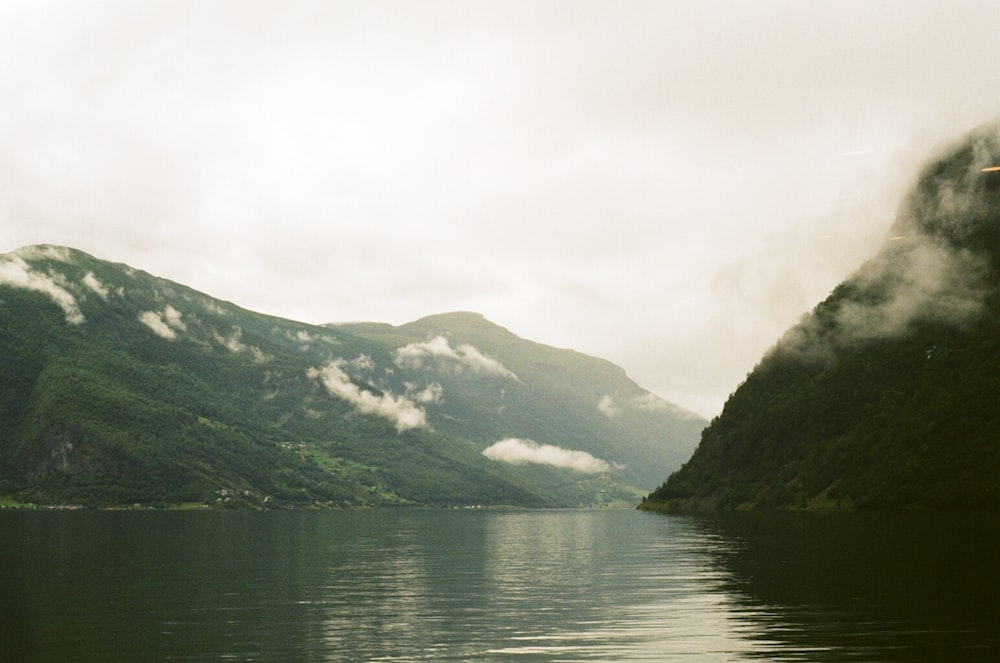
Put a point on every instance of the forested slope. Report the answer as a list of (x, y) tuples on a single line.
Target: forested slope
[(118, 387), (888, 394)]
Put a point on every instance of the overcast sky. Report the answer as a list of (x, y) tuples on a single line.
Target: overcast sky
[(668, 185)]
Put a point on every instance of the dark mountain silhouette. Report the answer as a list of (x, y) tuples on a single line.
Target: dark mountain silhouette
[(888, 394)]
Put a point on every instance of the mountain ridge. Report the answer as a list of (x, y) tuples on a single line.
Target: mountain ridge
[(119, 387), (885, 395)]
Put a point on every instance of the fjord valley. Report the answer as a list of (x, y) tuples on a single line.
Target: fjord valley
[(121, 388), (886, 394)]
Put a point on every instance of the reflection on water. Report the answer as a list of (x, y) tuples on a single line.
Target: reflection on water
[(882, 587), (477, 585)]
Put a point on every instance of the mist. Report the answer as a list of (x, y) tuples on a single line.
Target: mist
[(14, 271), (439, 351), (933, 266), (518, 452), (400, 410), (667, 185)]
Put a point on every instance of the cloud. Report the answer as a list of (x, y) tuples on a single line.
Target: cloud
[(480, 363), (173, 318), (155, 322), (928, 281), (212, 307), (518, 452), (608, 407), (17, 273), (414, 353), (165, 323), (439, 350), (234, 343), (362, 363), (94, 285), (647, 402), (44, 252), (431, 393), (925, 281), (401, 411), (933, 267), (542, 129)]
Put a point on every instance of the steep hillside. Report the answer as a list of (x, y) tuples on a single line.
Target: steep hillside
[(496, 385), (117, 387), (888, 394)]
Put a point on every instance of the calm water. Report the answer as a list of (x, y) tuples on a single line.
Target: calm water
[(405, 585)]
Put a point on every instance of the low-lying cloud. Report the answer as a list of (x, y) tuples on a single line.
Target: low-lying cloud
[(613, 407), (430, 393), (439, 351), (94, 285), (234, 343), (15, 272), (928, 281), (401, 411), (165, 323), (932, 268), (45, 252), (922, 281), (608, 406), (518, 452)]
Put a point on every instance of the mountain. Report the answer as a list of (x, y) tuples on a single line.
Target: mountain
[(117, 387), (887, 395)]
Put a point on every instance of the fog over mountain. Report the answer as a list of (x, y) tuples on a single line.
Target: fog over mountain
[(929, 267), (664, 184), (884, 395), (119, 388)]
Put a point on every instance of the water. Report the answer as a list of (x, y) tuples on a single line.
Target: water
[(410, 585)]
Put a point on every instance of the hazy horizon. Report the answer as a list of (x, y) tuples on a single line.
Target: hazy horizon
[(668, 186)]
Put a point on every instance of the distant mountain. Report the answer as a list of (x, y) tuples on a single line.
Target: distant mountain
[(888, 394), (117, 387)]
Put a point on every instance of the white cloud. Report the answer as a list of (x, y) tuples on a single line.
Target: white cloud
[(212, 307), (607, 406), (647, 402), (44, 252), (234, 343), (155, 322), (19, 274), (413, 355), (362, 363), (930, 281), (173, 318), (601, 157), (518, 452), (921, 279), (401, 411), (432, 393), (438, 349), (165, 323), (480, 363), (95, 286)]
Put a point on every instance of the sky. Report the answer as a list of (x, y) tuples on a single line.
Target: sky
[(668, 185)]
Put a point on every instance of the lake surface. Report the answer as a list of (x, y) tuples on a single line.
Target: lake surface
[(440, 585)]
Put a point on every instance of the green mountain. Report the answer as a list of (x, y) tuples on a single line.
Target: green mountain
[(117, 387), (888, 394)]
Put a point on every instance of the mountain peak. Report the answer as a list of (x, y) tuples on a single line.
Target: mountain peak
[(957, 195), (885, 395), (460, 323), (144, 390), (46, 252)]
